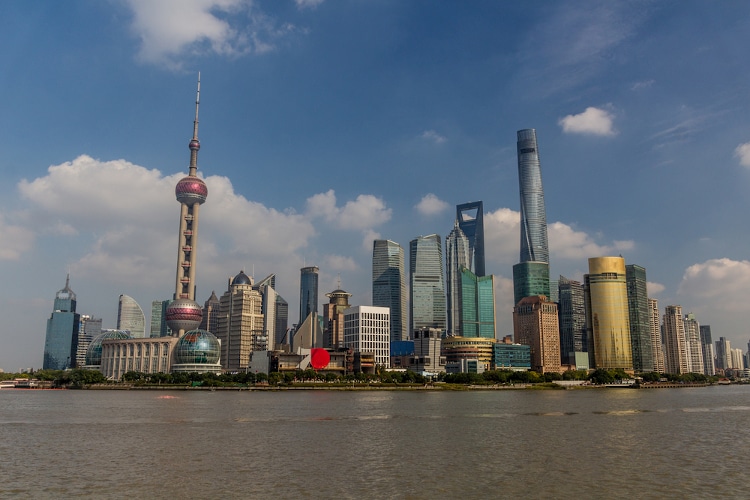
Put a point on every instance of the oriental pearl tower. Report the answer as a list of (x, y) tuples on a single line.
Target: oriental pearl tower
[(184, 313)]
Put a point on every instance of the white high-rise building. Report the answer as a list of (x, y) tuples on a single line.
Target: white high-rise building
[(657, 348), (457, 257), (130, 317), (675, 348), (367, 329), (693, 343)]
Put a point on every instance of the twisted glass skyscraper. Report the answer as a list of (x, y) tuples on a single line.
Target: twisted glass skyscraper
[(531, 274), (533, 215)]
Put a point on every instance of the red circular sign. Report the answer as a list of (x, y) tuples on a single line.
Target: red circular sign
[(319, 358)]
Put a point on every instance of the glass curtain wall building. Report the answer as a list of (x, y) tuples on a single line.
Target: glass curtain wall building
[(61, 339), (130, 317), (572, 319), (308, 292), (427, 291), (607, 316), (531, 275), (389, 285), (470, 217), (640, 327), (457, 258), (477, 305)]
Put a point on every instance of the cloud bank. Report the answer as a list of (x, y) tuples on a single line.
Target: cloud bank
[(431, 205)]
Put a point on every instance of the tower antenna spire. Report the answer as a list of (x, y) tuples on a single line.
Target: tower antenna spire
[(195, 144)]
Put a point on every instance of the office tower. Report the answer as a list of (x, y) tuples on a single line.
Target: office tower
[(607, 317), (427, 292), (240, 323), (389, 285), (367, 329), (709, 366), (571, 313), (157, 319), (457, 258), (308, 292), (210, 320), (427, 356), (654, 322), (333, 317), (60, 343), (184, 313), (89, 329), (282, 322), (535, 324), (723, 354), (130, 317), (470, 218), (693, 344), (477, 305), (531, 274), (267, 289), (640, 328), (675, 348), (533, 214)]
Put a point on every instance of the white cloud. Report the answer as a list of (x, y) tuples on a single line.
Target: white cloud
[(502, 245), (432, 136), (593, 121), (308, 4), (717, 285), (431, 205), (743, 153), (363, 213), (126, 215), (654, 288), (172, 30), (14, 240), (367, 238)]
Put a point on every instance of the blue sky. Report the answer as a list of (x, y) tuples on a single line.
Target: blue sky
[(326, 124)]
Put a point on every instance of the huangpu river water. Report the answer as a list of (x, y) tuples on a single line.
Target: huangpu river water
[(599, 443)]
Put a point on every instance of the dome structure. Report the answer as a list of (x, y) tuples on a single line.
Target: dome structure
[(94, 352), (184, 314), (242, 279), (197, 347), (191, 190)]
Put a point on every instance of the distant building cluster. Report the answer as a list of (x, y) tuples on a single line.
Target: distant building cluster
[(446, 323)]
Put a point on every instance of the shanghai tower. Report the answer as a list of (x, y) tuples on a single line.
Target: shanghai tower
[(531, 274), (184, 313)]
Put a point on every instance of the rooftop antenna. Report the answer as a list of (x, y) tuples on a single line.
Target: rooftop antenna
[(195, 144)]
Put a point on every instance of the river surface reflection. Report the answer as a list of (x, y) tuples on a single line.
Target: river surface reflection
[(598, 443)]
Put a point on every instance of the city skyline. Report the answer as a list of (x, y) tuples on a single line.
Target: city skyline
[(626, 99)]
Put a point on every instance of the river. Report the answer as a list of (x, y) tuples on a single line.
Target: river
[(595, 443)]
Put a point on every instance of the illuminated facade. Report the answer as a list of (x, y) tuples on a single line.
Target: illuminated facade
[(389, 285), (535, 324), (607, 315)]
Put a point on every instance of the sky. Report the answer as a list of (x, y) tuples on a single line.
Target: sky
[(326, 124)]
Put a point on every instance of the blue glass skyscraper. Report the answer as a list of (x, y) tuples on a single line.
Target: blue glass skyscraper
[(389, 285), (308, 292), (427, 291), (531, 274), (470, 217), (61, 341), (533, 214)]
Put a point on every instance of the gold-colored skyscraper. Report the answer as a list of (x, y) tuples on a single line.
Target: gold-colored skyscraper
[(607, 318)]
